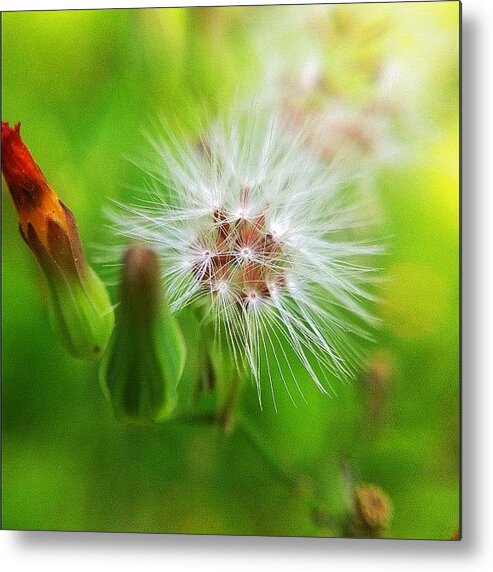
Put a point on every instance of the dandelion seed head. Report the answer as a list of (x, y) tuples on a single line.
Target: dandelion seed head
[(255, 228)]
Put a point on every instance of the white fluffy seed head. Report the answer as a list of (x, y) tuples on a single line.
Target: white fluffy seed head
[(270, 239)]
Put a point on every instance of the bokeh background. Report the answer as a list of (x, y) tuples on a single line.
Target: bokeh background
[(384, 80)]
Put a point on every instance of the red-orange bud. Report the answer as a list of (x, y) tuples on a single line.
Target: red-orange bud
[(45, 223), (82, 308)]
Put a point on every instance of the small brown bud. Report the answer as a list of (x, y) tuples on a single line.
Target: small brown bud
[(457, 535), (373, 510), (377, 381)]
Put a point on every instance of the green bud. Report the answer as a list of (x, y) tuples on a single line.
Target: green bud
[(146, 353), (80, 308)]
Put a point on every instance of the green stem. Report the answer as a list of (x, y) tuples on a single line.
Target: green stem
[(226, 411), (193, 420), (296, 483), (287, 476)]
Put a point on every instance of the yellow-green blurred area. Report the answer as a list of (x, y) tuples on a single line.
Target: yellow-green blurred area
[(86, 86)]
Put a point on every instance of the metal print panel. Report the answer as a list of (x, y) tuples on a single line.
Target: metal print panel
[(231, 270)]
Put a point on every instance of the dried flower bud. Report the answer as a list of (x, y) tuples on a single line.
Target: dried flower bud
[(457, 535), (81, 306), (373, 511), (146, 353), (378, 379)]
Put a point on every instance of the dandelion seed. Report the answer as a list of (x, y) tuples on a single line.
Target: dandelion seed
[(264, 236)]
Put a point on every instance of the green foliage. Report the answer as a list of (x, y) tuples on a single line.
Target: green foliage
[(88, 81)]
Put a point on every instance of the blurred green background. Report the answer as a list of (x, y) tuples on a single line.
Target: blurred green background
[(85, 85)]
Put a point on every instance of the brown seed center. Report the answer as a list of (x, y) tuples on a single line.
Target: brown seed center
[(239, 257)]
